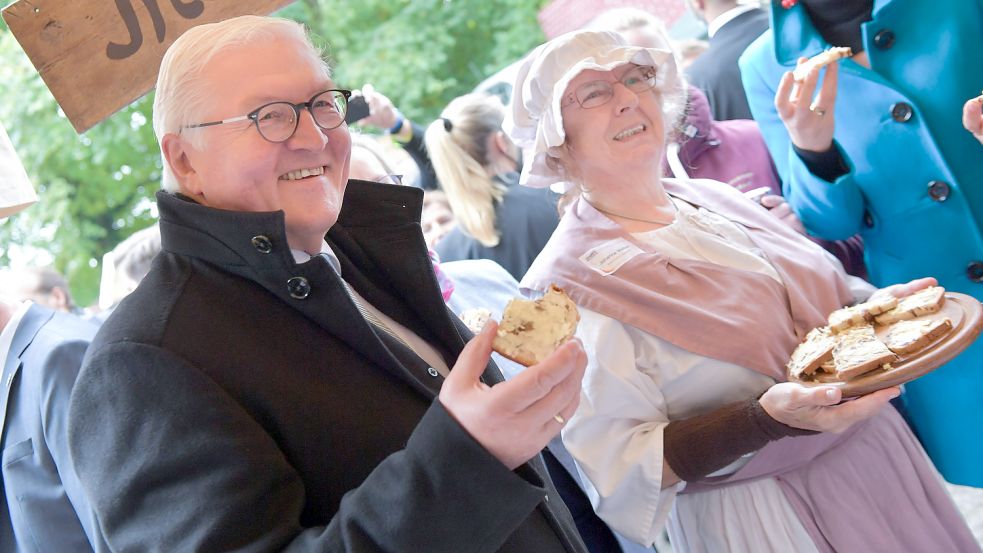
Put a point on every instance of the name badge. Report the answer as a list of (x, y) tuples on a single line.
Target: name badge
[(609, 257)]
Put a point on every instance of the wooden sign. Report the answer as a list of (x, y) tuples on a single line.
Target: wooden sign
[(16, 191), (98, 56)]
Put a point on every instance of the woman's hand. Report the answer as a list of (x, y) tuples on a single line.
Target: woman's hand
[(382, 112), (777, 206), (819, 408), (907, 289), (973, 117), (809, 122)]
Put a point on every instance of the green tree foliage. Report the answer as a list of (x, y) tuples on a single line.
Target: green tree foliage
[(97, 189)]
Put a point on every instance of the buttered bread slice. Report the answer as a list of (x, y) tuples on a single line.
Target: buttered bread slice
[(531, 330), (910, 336), (923, 302), (858, 351), (812, 353), (475, 318), (862, 313)]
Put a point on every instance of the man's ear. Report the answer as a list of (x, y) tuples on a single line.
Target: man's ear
[(175, 151), (59, 299)]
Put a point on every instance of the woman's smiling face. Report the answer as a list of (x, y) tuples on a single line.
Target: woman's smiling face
[(625, 131)]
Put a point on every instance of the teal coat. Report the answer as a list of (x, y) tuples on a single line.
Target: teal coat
[(915, 186)]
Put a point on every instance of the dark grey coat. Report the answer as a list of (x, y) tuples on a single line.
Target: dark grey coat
[(238, 401)]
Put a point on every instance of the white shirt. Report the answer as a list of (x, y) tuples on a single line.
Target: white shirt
[(7, 335), (419, 346), (727, 17)]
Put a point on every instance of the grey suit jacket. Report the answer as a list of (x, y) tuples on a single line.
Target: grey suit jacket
[(45, 509)]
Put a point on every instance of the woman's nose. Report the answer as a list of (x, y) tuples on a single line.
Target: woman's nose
[(624, 97)]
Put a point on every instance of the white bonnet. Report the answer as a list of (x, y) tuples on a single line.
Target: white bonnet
[(534, 121)]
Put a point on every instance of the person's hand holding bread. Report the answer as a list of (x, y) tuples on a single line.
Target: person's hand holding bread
[(514, 420), (809, 121)]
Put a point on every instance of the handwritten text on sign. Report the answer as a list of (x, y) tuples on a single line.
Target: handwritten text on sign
[(95, 55)]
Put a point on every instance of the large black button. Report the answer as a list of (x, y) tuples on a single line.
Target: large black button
[(868, 220), (262, 244), (884, 39), (938, 190), (299, 288), (975, 271), (901, 112)]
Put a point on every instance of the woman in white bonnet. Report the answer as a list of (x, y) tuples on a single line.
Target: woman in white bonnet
[(692, 299)]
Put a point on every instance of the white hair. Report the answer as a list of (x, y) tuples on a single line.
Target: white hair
[(181, 96)]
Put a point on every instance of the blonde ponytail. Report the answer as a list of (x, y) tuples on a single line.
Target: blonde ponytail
[(458, 147)]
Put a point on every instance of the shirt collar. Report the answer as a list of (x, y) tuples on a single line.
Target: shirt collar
[(300, 256), (726, 18)]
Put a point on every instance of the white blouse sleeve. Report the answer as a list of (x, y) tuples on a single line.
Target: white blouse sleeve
[(616, 434)]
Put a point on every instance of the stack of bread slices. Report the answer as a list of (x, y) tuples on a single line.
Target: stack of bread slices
[(850, 346)]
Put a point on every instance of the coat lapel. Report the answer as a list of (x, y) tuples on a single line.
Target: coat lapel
[(27, 329)]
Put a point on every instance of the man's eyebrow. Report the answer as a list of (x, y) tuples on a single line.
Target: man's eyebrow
[(261, 100)]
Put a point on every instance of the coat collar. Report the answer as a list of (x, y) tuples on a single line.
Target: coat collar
[(381, 249), (795, 35), (33, 320)]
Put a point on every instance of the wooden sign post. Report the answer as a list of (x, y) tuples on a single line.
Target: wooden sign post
[(98, 56)]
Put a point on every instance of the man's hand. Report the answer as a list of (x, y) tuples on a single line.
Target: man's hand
[(809, 122), (514, 420), (816, 408), (778, 207), (973, 117)]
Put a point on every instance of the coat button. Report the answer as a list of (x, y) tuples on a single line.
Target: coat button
[(884, 39), (975, 271), (299, 288), (432, 372), (868, 220), (938, 190), (901, 112), (262, 244)]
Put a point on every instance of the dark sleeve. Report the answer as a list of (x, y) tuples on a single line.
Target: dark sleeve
[(418, 151), (171, 462), (850, 252), (828, 165), (700, 445)]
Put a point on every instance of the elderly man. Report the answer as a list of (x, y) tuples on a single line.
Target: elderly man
[(273, 385)]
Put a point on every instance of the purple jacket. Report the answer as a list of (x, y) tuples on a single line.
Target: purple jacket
[(734, 152)]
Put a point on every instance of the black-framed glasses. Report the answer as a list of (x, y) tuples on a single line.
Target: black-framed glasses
[(597, 93), (277, 121)]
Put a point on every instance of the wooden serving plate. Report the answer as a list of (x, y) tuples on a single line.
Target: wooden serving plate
[(966, 315)]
